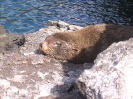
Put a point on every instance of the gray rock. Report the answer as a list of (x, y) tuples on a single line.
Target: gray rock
[(2, 31), (111, 75), (34, 39), (25, 73), (11, 43), (63, 26), (74, 27), (59, 24)]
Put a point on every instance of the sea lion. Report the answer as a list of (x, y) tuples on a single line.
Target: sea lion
[(84, 45)]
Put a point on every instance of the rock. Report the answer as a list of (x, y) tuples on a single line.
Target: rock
[(11, 43), (34, 39), (2, 31), (52, 23), (58, 24), (61, 25), (47, 97), (111, 75), (25, 73), (74, 27)]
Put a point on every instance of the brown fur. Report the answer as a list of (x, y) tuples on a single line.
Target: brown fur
[(84, 45)]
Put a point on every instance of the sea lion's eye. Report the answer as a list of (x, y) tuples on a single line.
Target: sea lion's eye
[(57, 44)]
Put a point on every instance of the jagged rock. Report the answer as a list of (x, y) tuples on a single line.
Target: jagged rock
[(2, 31), (11, 43), (28, 74), (33, 39), (63, 26), (73, 27), (111, 75), (59, 24)]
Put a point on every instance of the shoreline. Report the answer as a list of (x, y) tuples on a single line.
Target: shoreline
[(27, 74)]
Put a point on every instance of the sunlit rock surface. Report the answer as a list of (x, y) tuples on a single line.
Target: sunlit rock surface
[(27, 74), (111, 75)]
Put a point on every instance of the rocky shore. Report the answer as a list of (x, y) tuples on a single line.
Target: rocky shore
[(25, 73)]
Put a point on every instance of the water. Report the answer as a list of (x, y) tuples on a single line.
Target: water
[(26, 16)]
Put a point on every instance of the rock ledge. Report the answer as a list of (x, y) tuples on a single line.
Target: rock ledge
[(27, 74)]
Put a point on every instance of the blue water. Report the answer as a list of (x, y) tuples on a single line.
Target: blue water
[(26, 16)]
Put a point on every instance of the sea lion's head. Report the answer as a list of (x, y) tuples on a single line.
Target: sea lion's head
[(59, 47)]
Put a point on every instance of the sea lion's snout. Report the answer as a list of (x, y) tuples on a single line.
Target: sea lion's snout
[(43, 47)]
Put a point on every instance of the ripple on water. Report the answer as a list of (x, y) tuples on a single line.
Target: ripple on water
[(26, 16)]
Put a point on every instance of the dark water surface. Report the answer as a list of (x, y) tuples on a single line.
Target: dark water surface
[(26, 16)]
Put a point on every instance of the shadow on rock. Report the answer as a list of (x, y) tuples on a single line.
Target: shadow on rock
[(70, 89), (77, 90)]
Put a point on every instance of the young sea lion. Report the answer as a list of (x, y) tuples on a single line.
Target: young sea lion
[(84, 45)]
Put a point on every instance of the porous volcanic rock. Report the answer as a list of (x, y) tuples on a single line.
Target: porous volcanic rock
[(11, 42), (111, 75), (25, 73), (2, 31)]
